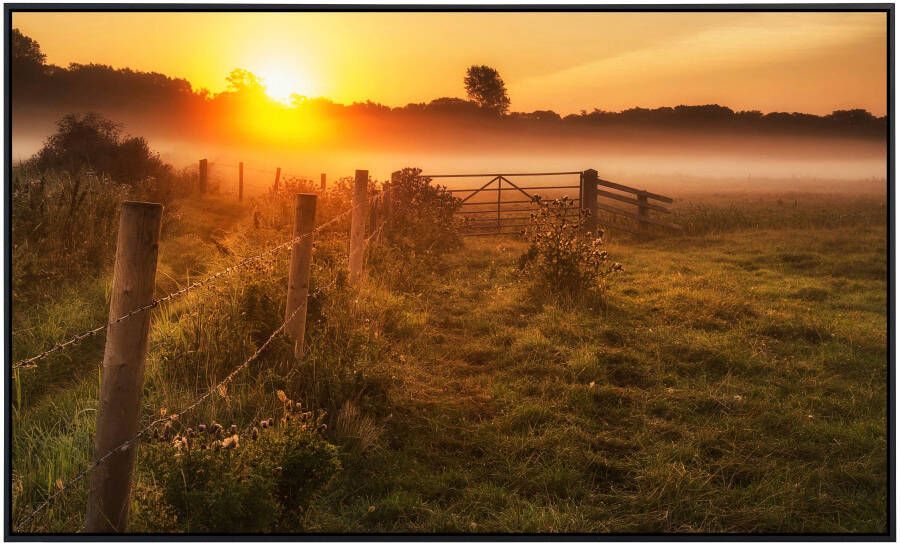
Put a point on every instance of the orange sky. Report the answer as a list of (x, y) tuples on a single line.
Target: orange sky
[(811, 62)]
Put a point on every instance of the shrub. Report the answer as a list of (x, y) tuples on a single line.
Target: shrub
[(66, 198), (563, 257), (92, 143), (223, 480), (421, 215)]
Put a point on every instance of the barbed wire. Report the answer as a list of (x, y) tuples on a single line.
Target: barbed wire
[(375, 232), (125, 445), (31, 362)]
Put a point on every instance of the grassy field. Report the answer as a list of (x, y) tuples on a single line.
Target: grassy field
[(734, 380)]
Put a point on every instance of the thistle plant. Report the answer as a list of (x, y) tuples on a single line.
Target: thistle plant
[(563, 257)]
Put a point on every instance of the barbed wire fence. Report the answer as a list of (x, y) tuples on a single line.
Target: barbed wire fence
[(373, 204)]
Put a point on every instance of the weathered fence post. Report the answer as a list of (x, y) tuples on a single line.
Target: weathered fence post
[(204, 171), (298, 274), (322, 181), (277, 179), (389, 197), (643, 211), (589, 198), (358, 224), (240, 182), (119, 412)]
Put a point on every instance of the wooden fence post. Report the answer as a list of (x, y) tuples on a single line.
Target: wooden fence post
[(118, 417), (589, 199), (643, 211), (322, 182), (204, 171), (240, 182), (298, 273), (387, 200), (277, 179), (358, 224)]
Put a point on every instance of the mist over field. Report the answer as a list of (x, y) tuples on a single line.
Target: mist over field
[(674, 161)]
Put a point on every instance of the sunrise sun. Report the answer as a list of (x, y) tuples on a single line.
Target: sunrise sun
[(281, 84)]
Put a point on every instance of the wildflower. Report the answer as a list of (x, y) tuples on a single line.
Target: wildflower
[(201, 427), (264, 423), (230, 442)]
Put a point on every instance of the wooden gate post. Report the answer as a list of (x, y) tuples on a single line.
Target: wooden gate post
[(322, 182), (134, 277), (240, 182), (358, 224), (298, 273), (589, 199), (277, 179), (643, 211), (204, 171)]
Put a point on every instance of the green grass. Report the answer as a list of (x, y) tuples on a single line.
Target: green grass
[(733, 381)]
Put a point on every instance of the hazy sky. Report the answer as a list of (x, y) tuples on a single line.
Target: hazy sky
[(811, 62)]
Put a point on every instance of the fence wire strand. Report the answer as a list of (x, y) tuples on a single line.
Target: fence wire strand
[(125, 445), (31, 362)]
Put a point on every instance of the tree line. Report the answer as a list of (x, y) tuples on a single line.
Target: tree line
[(84, 87)]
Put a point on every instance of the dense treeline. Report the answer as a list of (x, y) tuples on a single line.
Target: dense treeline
[(163, 100)]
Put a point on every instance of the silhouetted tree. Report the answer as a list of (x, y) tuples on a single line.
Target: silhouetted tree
[(241, 80), (26, 53), (91, 142), (26, 64), (485, 87)]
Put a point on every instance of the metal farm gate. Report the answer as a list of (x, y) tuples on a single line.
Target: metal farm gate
[(503, 206)]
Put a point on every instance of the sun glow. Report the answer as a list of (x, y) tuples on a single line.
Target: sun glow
[(282, 84)]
